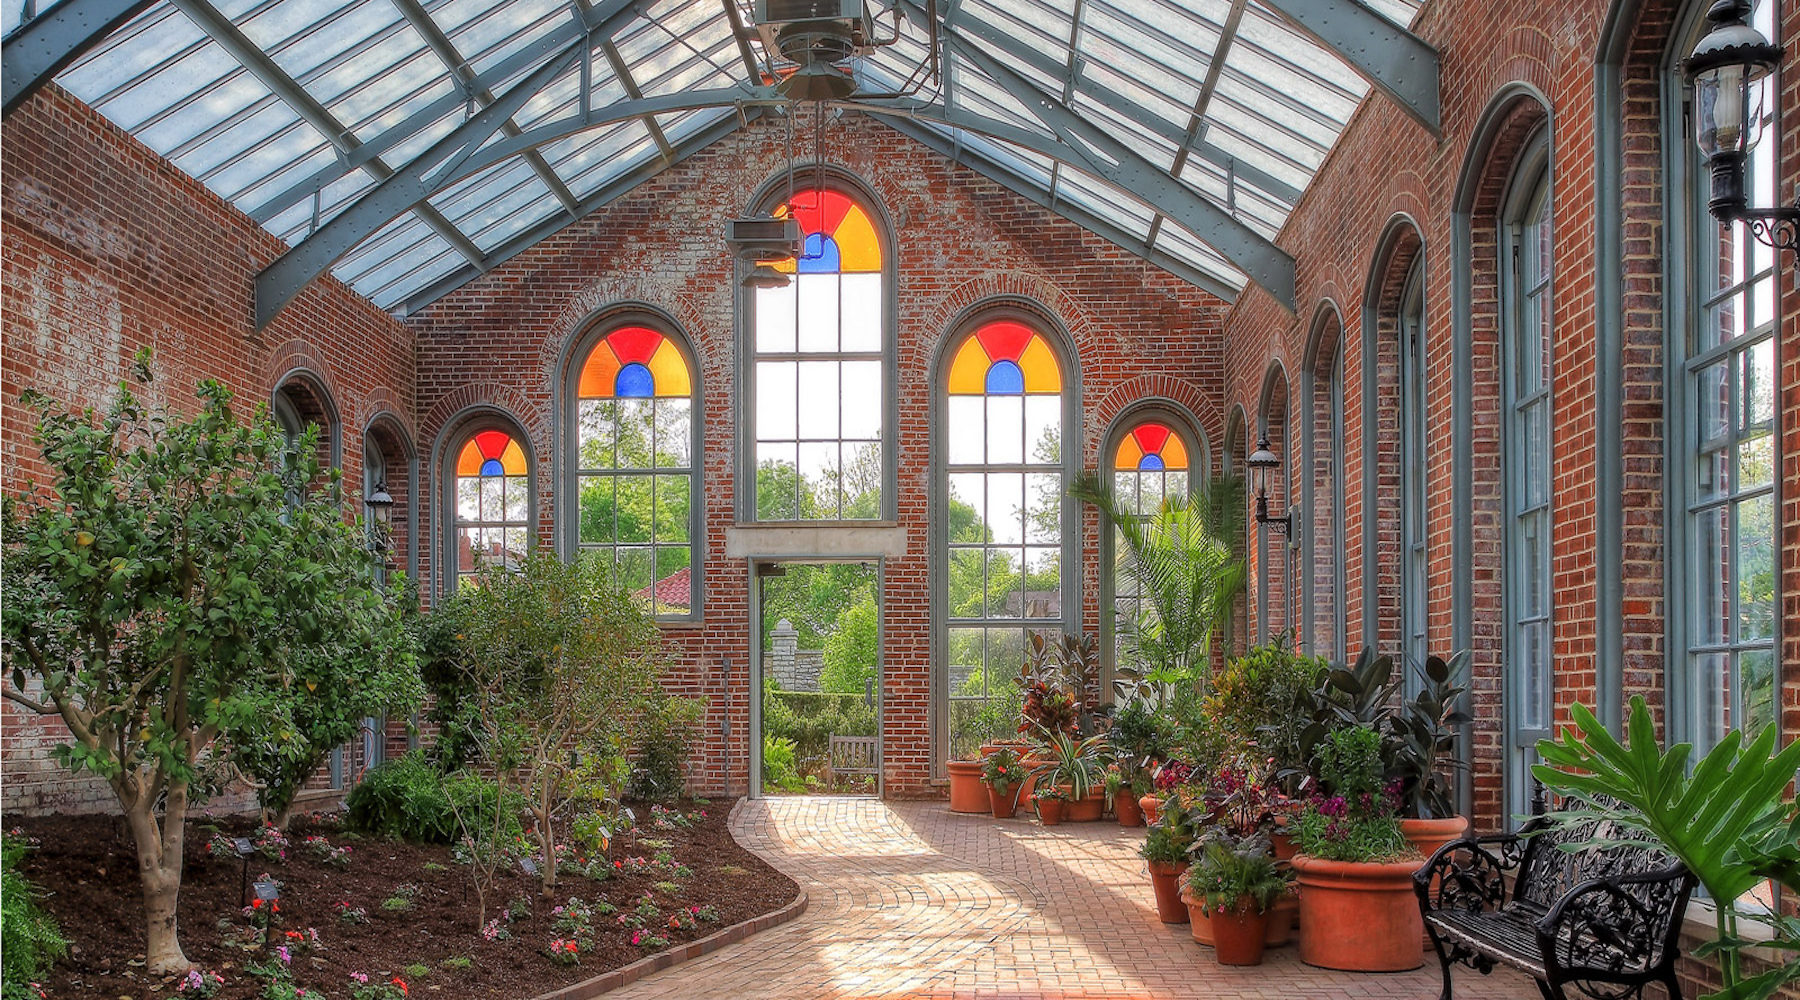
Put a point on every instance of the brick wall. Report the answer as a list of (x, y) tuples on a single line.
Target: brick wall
[(108, 249)]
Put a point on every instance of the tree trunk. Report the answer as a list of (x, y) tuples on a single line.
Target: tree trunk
[(159, 873)]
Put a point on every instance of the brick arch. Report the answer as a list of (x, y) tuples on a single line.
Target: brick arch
[(384, 404), (603, 295), (943, 318), (300, 355), (1127, 395), (1318, 508)]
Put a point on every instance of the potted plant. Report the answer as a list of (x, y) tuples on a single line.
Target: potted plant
[(1357, 908), (1051, 800), (1165, 852), (1124, 793), (1237, 882), (1002, 773), (1076, 768), (1136, 740)]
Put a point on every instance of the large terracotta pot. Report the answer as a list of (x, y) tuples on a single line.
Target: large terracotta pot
[(1125, 806), (1359, 916), (1152, 806), (1427, 835), (1051, 811), (967, 793), (1003, 804), (1284, 916), (1165, 882), (1199, 919), (1086, 810), (1239, 933)]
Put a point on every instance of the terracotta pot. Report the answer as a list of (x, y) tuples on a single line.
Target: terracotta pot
[(1199, 920), (1085, 810), (1427, 835), (1003, 804), (1051, 811), (1165, 882), (1125, 806), (1284, 916), (1359, 916), (1239, 933), (967, 793), (1151, 805), (1282, 841)]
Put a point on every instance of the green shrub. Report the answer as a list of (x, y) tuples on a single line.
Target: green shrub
[(781, 769), (408, 799), (659, 769), (811, 718), (30, 941)]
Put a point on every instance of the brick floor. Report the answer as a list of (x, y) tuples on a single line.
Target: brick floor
[(909, 900)]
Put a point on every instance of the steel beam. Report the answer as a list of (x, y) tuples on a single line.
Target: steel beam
[(1394, 60), (610, 192), (741, 34), (408, 187), (40, 48)]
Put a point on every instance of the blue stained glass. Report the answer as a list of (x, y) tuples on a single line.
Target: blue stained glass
[(634, 380), (1150, 463), (820, 255), (1005, 379), (492, 467)]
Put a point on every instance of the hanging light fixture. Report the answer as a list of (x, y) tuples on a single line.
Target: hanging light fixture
[(762, 241), (380, 505), (1728, 70), (1262, 460)]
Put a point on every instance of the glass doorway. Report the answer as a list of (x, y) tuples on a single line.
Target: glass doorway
[(820, 669)]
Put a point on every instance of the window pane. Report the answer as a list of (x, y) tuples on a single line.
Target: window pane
[(861, 294), (1043, 429), (1006, 507), (674, 433), (672, 510), (965, 431), (1712, 576), (636, 500), (777, 406), (862, 400), (671, 597), (775, 319), (1005, 430), (596, 418), (1756, 672), (599, 507), (818, 312), (818, 400), (1756, 569), (777, 482), (637, 424)]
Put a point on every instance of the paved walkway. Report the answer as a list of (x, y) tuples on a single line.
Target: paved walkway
[(909, 900)]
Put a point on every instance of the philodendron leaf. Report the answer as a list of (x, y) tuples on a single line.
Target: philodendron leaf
[(1760, 987)]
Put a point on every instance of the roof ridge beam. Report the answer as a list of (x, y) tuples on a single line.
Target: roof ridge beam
[(1395, 61), (35, 51)]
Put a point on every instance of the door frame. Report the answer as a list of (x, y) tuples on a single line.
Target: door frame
[(879, 563)]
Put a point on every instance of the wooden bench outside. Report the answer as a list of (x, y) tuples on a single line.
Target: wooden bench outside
[(1606, 923), (850, 756)]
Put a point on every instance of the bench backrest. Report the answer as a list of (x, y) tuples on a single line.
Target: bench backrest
[(851, 755), (1548, 871)]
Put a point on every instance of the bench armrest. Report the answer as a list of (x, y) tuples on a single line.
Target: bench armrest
[(1620, 925), (1467, 874)]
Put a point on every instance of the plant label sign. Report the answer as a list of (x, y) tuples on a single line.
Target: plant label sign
[(268, 892), (528, 866), (244, 847)]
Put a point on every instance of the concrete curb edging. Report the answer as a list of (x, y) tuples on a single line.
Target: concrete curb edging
[(609, 981)]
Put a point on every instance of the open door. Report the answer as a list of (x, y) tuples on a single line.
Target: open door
[(820, 670)]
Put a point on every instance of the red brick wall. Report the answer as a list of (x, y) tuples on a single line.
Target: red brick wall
[(960, 240), (108, 249)]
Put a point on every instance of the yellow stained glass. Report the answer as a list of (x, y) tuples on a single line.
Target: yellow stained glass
[(968, 371), (599, 374), (468, 463), (1038, 362), (512, 460), (670, 371), (1129, 454), (858, 249), (1174, 454)]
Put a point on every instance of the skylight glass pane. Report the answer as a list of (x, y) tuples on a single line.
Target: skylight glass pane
[(679, 127), (1032, 168), (1299, 125), (407, 73), (974, 92), (1267, 32), (401, 105), (404, 284), (1039, 29), (160, 35), (487, 33), (602, 158), (1134, 49), (304, 37), (1182, 245), (1251, 148), (1105, 202), (558, 100), (200, 70), (270, 143)]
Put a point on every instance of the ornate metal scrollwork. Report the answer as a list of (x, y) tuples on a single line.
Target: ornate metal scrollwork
[(1468, 878)]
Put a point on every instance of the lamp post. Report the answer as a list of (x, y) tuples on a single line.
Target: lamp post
[(1727, 70), (380, 519), (1262, 460)]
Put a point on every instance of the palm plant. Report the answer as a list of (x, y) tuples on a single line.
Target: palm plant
[(1726, 820), (1185, 561)]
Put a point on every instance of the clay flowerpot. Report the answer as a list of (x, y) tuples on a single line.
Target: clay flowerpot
[(1003, 803), (967, 793), (1282, 840), (1427, 835), (1239, 933), (1359, 916), (1125, 806), (1151, 806), (1284, 916), (1050, 811), (1086, 810), (1199, 919), (1165, 882)]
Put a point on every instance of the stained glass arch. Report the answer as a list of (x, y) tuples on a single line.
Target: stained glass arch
[(632, 442), (489, 496), (1152, 452)]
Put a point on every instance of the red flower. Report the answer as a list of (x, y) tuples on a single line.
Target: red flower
[(397, 981)]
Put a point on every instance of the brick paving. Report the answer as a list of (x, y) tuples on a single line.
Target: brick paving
[(909, 900)]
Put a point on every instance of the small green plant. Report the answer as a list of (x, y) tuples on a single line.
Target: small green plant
[(433, 866), (458, 963), (665, 732), (396, 904), (364, 988), (781, 771), (1067, 763), (417, 970), (1355, 814), (1237, 876), (666, 887), (1164, 845), (30, 941)]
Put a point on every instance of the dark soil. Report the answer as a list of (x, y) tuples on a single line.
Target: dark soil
[(88, 867)]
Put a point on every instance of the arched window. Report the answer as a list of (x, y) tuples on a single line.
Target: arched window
[(1526, 324), (1414, 475), (1154, 455), (1237, 631), (1321, 512), (1721, 425), (1278, 581), (634, 464), (818, 409), (492, 491), (1003, 460)]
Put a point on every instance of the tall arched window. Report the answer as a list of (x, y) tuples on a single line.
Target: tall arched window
[(1003, 461), (1322, 504), (634, 464), (1525, 267), (1278, 580), (1414, 475), (492, 491), (1154, 455), (1721, 426), (818, 405)]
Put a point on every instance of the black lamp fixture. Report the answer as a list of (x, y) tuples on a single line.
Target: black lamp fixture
[(1262, 460), (1727, 71), (381, 517)]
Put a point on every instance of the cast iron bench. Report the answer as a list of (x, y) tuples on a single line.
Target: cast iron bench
[(1606, 922)]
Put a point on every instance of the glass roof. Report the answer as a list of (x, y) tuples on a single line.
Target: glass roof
[(293, 110)]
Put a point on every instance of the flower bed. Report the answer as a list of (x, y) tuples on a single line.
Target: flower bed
[(352, 923)]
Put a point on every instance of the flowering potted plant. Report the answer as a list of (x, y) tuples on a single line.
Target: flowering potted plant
[(1003, 774), (1076, 768), (1051, 800), (1165, 852), (1357, 908), (1237, 881)]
